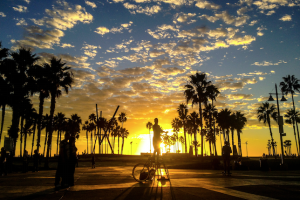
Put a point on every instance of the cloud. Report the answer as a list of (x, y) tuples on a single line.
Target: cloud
[(227, 18), (21, 22), (37, 37), (20, 8), (257, 73), (92, 4), (64, 18), (286, 18), (239, 40), (268, 63), (183, 17), (133, 9), (27, 1), (2, 14), (102, 30), (90, 50), (253, 22), (207, 5), (65, 45)]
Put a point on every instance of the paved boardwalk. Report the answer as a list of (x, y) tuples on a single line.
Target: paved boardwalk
[(117, 183)]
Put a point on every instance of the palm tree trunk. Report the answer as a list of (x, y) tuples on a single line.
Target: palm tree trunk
[(57, 142), (239, 142), (185, 145), (295, 136), (201, 125), (15, 124), (2, 120), (91, 141), (122, 145), (45, 142), (298, 136), (150, 140), (34, 127), (297, 126), (25, 141), (232, 139), (21, 135), (87, 142), (118, 143), (195, 139), (41, 107)]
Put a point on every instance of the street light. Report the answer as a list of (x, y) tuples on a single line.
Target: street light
[(279, 120)]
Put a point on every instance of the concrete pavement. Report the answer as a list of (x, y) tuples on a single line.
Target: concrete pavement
[(117, 183)]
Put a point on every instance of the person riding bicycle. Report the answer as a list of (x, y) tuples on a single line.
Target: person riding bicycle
[(156, 138)]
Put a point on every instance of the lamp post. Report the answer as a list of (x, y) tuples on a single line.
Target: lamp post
[(246, 147), (131, 147), (279, 121)]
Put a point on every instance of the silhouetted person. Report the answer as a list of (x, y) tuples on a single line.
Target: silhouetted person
[(36, 158), (72, 161), (226, 151), (63, 158), (93, 161), (156, 138), (25, 161), (77, 159), (3, 162)]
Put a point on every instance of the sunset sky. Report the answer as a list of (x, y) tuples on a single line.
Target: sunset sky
[(139, 53)]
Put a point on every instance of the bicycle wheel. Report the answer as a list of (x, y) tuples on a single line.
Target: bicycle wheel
[(140, 172)]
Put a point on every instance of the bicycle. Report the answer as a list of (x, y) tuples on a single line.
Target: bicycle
[(147, 171)]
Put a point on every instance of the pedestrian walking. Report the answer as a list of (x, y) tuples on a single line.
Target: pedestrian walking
[(226, 151), (63, 158)]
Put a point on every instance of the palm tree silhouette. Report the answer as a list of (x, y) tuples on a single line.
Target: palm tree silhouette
[(124, 135), (35, 118), (85, 127), (176, 125), (60, 123), (122, 118), (183, 113), (59, 77), (197, 92), (115, 134), (149, 126), (222, 120), (291, 116), (15, 72), (288, 86), (40, 85), (240, 123), (101, 124), (264, 112), (233, 124), (92, 118), (209, 113), (45, 125), (194, 121)]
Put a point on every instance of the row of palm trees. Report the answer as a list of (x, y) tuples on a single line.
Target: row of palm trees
[(266, 112), (95, 128), (208, 122), (21, 77)]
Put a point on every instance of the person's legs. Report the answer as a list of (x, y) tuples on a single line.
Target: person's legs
[(225, 165)]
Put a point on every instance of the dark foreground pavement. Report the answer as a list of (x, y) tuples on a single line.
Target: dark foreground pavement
[(117, 183)]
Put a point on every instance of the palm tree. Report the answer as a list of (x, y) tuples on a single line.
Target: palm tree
[(122, 118), (149, 126), (288, 86), (5, 91), (15, 73), (74, 125), (264, 112), (92, 127), (233, 124), (176, 125), (59, 77), (287, 145), (183, 113), (197, 92), (28, 129), (222, 120), (45, 125), (209, 113), (124, 135), (40, 85), (240, 123), (93, 119), (101, 124), (60, 123), (86, 128), (116, 134), (291, 116), (194, 121), (182, 141), (35, 118)]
